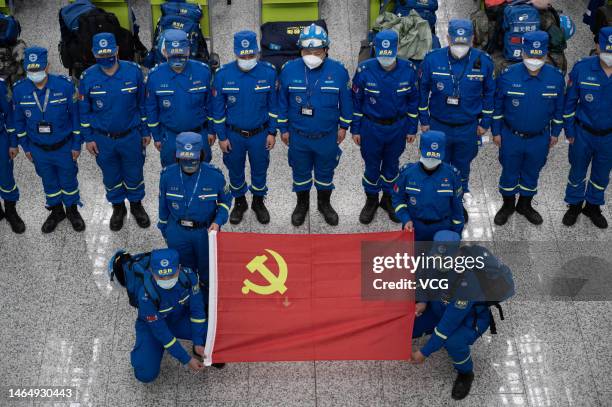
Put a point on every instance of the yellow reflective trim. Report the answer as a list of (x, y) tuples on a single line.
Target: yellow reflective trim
[(575, 185), (144, 119), (76, 191), (172, 342), (283, 120), (174, 195), (413, 115), (550, 94), (368, 182), (445, 190), (22, 134), (358, 114), (297, 87), (567, 116), (475, 76), (128, 89), (182, 300), (236, 188), (197, 321), (487, 111), (258, 189), (371, 90), (527, 189), (325, 184), (27, 103), (10, 130), (76, 131), (329, 88), (302, 183), (219, 121), (115, 187), (441, 73), (597, 186), (6, 191), (166, 309), (590, 83), (223, 206), (516, 93), (262, 87), (440, 334), (413, 189), (136, 187), (345, 120), (389, 180), (463, 361), (234, 88), (57, 100), (153, 124), (508, 189), (423, 108), (404, 89), (400, 207), (54, 194), (197, 88), (163, 221), (99, 92), (498, 117), (558, 121), (85, 124), (209, 196), (275, 116), (457, 222)]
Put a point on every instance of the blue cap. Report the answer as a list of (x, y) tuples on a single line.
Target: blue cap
[(189, 145), (313, 36), (176, 42), (605, 39), (535, 44), (35, 59), (103, 45), (164, 262), (433, 144), (385, 43), (460, 31), (245, 43), (446, 243)]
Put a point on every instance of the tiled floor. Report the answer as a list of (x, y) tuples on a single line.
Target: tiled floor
[(63, 324)]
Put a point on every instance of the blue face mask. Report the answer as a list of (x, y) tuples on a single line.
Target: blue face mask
[(107, 62), (178, 62), (189, 166)]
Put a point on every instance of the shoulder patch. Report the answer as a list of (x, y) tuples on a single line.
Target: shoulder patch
[(461, 304), (269, 65)]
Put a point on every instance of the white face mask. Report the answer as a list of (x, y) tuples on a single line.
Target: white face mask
[(533, 64), (37, 77), (386, 62), (606, 57), (247, 64), (430, 163), (460, 50), (312, 61), (167, 284)]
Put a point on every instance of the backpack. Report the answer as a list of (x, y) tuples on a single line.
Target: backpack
[(11, 50), (10, 29), (519, 18), (179, 15), (602, 18), (426, 9), (132, 272)]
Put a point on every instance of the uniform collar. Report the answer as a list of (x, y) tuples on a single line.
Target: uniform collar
[(527, 75), (117, 73), (186, 71), (251, 72)]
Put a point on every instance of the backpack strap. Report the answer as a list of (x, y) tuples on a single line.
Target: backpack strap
[(150, 289)]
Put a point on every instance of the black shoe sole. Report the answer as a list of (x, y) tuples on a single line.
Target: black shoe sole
[(54, 227)]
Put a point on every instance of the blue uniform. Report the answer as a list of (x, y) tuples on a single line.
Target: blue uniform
[(52, 148), (588, 120), (245, 101), (177, 313), (178, 102), (188, 205), (528, 111), (112, 115), (8, 187), (312, 104), (457, 95), (431, 202), (385, 112)]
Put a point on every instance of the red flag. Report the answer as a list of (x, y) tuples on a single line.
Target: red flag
[(299, 297)]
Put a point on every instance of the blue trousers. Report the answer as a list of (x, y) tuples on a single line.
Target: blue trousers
[(148, 352), (425, 233), (259, 159), (461, 147), (522, 159), (121, 162), (8, 187), (168, 150), (586, 150), (381, 148), (191, 245), (320, 155), (458, 343), (58, 172)]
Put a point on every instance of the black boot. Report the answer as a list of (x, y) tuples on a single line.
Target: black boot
[(301, 208), (593, 212), (261, 212), (55, 217), (13, 218), (573, 211), (139, 213), (466, 216), (73, 215), (116, 220), (369, 209), (1, 213), (240, 207), (387, 205), (524, 208), (324, 206), (218, 365), (462, 386), (507, 209)]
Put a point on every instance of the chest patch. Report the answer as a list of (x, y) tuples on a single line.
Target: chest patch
[(589, 98), (440, 86), (515, 102), (99, 104), (166, 103)]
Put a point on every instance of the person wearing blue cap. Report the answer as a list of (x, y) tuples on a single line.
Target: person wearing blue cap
[(244, 115), (193, 199), (178, 97), (588, 128), (457, 96), (112, 116), (9, 192), (170, 307), (385, 117), (315, 111), (527, 122), (456, 316), (427, 195), (46, 117)]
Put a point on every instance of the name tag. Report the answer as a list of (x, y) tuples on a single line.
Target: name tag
[(44, 128), (452, 100), (307, 111), (187, 223)]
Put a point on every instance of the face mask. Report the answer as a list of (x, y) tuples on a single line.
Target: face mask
[(178, 62), (107, 62), (606, 57), (312, 61), (459, 51), (37, 77), (386, 62), (430, 163), (167, 284), (190, 166), (533, 64), (247, 64)]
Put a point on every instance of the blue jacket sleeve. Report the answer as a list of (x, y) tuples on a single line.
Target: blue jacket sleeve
[(398, 201), (346, 101), (283, 103), (85, 109), (141, 97), (557, 120), (152, 111), (164, 212), (273, 105), (19, 123), (451, 320), (457, 209), (498, 115), (224, 202), (488, 103), (358, 97), (197, 315), (219, 107), (413, 106), (571, 104), (424, 91), (6, 108), (73, 109)]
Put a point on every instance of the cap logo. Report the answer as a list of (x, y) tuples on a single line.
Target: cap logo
[(461, 31), (175, 44), (103, 43), (245, 43), (386, 44), (33, 57), (164, 263), (523, 17), (537, 44), (434, 146), (188, 147), (610, 39)]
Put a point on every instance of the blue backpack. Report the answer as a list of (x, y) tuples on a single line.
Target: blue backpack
[(519, 18), (132, 272), (10, 29), (70, 14), (426, 9)]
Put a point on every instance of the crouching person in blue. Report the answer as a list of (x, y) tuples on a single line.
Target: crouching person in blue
[(193, 199), (170, 307)]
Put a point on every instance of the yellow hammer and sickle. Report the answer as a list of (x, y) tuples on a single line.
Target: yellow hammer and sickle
[(277, 283)]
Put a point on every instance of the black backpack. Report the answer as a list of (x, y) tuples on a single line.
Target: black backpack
[(11, 49)]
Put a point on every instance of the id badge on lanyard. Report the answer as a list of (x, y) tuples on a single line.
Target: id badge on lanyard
[(43, 127), (195, 189), (308, 110), (455, 99)]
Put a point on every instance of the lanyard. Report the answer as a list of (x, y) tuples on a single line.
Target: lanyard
[(457, 80), (195, 188), (42, 108), (308, 90)]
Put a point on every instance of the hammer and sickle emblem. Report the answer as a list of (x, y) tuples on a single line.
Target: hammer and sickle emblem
[(277, 283)]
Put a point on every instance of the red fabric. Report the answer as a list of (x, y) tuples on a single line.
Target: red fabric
[(321, 315)]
